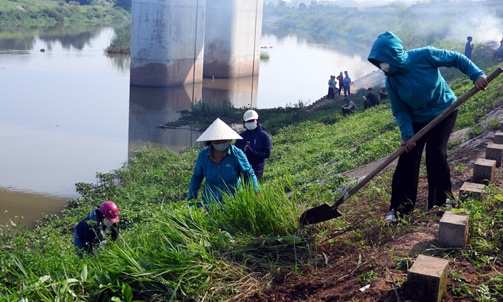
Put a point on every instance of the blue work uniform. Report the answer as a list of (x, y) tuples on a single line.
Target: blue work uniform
[(418, 93), (89, 232), (258, 149), (416, 89), (224, 176)]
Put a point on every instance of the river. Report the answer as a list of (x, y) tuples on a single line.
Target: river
[(68, 111)]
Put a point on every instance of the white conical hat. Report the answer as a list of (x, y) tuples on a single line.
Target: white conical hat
[(218, 130)]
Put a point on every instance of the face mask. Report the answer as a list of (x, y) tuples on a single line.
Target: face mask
[(107, 223), (251, 125), (220, 147), (384, 67)]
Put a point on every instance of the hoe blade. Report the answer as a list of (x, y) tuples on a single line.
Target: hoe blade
[(319, 214)]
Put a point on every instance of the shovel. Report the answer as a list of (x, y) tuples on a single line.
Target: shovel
[(326, 212)]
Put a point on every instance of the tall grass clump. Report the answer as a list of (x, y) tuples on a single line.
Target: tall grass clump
[(120, 43)]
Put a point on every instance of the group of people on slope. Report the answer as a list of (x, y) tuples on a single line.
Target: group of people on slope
[(220, 164), (498, 53), (417, 93), (344, 85), (370, 100)]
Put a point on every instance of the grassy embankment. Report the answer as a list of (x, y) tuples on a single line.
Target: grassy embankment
[(167, 251)]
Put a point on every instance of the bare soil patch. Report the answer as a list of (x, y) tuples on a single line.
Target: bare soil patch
[(340, 278)]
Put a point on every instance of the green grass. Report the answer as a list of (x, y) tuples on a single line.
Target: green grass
[(169, 251)]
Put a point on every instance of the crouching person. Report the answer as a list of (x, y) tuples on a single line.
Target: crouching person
[(96, 228)]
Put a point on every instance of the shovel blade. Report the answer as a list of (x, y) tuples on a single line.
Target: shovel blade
[(319, 214)]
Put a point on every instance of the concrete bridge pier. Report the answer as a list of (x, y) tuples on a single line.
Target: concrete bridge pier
[(232, 38), (167, 42)]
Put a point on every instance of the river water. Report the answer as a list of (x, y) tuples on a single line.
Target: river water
[(68, 111)]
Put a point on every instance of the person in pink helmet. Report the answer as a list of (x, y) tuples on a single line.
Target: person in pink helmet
[(93, 230)]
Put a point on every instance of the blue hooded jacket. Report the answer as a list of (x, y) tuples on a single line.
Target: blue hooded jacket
[(417, 91)]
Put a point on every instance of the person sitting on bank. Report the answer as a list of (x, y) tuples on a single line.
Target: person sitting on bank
[(383, 94), (371, 99), (94, 230), (221, 165), (348, 107)]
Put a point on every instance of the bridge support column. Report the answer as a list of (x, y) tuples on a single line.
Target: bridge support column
[(232, 38), (167, 42)]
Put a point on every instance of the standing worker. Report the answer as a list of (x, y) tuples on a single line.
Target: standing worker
[(418, 93), (340, 79), (347, 84), (256, 143), (93, 230), (468, 47), (331, 88), (220, 164)]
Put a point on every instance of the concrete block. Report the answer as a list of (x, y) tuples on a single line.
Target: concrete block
[(427, 278), (483, 171), (471, 190), (495, 152), (498, 137), (453, 230)]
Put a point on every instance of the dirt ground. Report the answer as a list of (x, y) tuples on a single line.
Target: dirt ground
[(338, 280)]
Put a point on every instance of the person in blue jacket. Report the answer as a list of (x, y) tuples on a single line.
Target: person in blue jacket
[(94, 230), (220, 164), (418, 93), (256, 143), (468, 47)]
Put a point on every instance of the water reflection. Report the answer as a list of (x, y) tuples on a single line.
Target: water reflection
[(119, 62), (63, 118), (68, 37), (242, 92), (151, 107)]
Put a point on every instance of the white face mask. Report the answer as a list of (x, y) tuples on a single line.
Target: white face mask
[(220, 147), (384, 67), (251, 125), (108, 226)]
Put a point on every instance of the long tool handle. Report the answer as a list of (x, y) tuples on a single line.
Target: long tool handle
[(414, 139)]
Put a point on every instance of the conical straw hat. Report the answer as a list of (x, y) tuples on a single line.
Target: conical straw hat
[(218, 130)]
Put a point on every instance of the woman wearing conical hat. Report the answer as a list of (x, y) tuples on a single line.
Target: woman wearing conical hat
[(220, 164)]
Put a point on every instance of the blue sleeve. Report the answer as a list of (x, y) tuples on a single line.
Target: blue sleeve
[(240, 143), (447, 58), (265, 151), (85, 232), (246, 168), (401, 112), (197, 178)]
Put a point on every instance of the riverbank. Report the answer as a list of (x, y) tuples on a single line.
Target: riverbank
[(254, 249), (45, 13)]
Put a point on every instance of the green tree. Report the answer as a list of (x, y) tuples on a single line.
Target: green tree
[(125, 4)]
